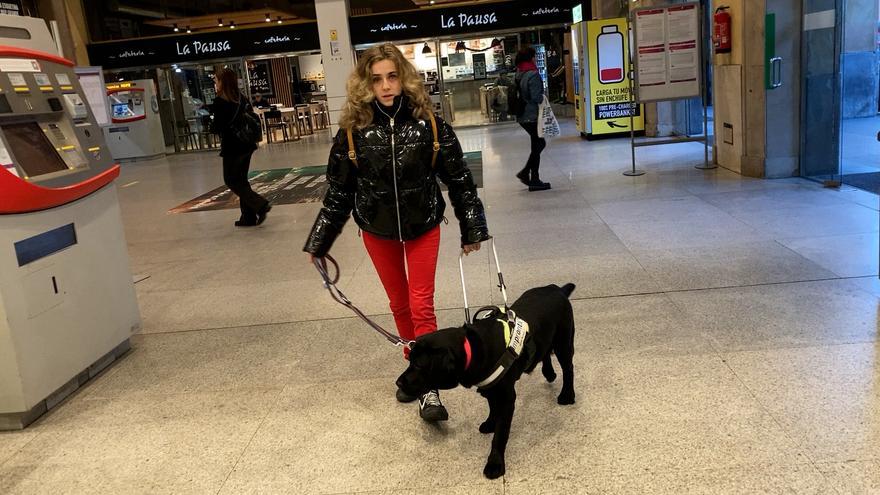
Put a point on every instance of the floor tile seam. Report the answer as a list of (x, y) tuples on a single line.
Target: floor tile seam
[(816, 346), (383, 314), (128, 394), (805, 259), (269, 411), (9, 458), (800, 445), (615, 474)]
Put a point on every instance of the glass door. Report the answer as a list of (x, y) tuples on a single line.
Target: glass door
[(821, 89), (193, 93)]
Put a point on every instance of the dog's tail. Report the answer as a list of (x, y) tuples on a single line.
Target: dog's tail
[(567, 289)]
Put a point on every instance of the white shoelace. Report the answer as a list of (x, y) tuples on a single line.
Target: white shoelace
[(432, 398)]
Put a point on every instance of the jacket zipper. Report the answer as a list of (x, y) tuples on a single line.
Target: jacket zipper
[(394, 169)]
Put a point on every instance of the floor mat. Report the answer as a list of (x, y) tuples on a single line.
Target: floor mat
[(284, 186), (868, 182)]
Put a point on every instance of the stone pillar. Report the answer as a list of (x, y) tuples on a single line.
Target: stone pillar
[(337, 52), (740, 97)]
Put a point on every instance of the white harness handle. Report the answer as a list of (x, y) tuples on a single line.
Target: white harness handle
[(501, 285)]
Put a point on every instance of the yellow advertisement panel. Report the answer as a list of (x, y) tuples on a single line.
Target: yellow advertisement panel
[(609, 99)]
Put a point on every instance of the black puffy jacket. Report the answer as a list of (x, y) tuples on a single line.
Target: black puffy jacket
[(393, 191)]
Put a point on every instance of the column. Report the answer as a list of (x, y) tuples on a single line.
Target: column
[(337, 52)]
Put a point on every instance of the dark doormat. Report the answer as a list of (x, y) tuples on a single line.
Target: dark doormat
[(284, 186), (868, 182)]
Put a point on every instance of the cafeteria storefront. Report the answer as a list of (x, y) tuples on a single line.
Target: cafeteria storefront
[(281, 63), (465, 54)]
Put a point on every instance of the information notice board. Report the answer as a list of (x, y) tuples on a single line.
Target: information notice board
[(668, 52)]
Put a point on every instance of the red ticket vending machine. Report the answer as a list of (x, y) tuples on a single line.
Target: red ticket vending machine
[(135, 130), (67, 301)]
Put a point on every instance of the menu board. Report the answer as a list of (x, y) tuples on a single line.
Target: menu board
[(668, 55)]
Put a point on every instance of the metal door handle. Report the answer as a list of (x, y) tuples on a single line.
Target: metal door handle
[(775, 72)]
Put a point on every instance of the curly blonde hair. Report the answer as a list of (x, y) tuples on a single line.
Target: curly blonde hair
[(358, 110)]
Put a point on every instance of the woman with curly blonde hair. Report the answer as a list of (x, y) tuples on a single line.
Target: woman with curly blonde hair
[(383, 169)]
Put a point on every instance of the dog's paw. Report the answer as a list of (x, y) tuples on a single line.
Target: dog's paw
[(550, 375), (565, 398), (494, 468), (487, 426)]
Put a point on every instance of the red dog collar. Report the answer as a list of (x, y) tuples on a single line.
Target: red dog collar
[(467, 353)]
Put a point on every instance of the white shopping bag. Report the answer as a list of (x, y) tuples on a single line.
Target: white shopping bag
[(548, 126)]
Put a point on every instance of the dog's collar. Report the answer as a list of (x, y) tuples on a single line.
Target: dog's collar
[(467, 353)]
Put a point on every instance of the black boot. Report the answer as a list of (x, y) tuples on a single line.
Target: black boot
[(537, 185), (523, 176)]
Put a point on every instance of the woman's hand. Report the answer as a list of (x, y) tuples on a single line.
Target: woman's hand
[(469, 248)]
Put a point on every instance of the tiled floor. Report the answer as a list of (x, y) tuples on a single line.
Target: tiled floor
[(726, 342)]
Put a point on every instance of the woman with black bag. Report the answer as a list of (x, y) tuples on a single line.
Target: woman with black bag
[(228, 109)]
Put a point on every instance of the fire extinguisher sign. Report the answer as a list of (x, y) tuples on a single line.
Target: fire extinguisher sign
[(610, 99)]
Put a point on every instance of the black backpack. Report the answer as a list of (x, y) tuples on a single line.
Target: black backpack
[(515, 103), (245, 126)]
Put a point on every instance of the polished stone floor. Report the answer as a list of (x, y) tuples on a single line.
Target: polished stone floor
[(726, 342)]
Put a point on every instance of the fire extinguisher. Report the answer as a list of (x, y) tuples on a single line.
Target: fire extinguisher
[(721, 32)]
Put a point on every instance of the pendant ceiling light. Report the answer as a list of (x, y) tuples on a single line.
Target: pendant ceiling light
[(495, 43), (426, 49), (459, 47)]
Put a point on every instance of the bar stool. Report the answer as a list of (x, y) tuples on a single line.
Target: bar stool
[(304, 119), (319, 115)]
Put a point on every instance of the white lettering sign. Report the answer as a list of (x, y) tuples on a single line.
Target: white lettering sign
[(546, 10), (131, 53), (277, 39), (394, 27), (467, 20), (200, 48)]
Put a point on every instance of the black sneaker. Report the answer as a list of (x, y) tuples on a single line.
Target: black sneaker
[(430, 407), (404, 397), (261, 216), (539, 186), (523, 176)]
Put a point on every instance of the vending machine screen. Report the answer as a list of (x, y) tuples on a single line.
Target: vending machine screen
[(32, 150), (121, 110)]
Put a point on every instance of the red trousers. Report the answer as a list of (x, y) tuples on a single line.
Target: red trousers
[(407, 270)]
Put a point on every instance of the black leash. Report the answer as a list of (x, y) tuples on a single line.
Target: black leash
[(338, 296)]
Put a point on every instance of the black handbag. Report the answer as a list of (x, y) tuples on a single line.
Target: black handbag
[(245, 126)]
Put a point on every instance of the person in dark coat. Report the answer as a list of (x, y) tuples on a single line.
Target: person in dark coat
[(236, 154), (388, 181), (531, 89)]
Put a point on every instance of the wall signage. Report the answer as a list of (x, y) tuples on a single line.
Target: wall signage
[(610, 100), (166, 50), (429, 23)]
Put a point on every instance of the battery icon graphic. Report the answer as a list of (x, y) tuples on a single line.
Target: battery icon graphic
[(611, 55)]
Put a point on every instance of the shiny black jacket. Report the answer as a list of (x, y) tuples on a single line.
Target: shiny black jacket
[(393, 191)]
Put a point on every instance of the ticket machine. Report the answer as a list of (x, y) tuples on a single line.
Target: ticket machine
[(136, 127), (67, 301)]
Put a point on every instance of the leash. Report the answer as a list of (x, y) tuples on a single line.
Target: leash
[(501, 285), (338, 296)]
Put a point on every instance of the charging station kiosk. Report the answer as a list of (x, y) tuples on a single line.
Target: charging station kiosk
[(67, 301)]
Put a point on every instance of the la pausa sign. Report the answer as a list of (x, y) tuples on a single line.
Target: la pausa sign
[(201, 48), (468, 20)]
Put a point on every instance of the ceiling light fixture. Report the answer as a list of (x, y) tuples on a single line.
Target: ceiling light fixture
[(426, 49), (279, 19), (219, 22), (176, 29), (231, 24), (495, 43), (459, 47), (188, 30), (268, 17)]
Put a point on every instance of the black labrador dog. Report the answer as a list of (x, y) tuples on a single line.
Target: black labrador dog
[(469, 355)]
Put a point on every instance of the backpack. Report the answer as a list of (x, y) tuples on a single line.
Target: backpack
[(516, 105), (246, 127), (352, 155)]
